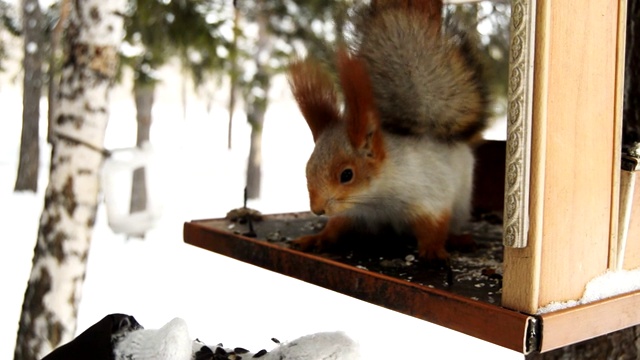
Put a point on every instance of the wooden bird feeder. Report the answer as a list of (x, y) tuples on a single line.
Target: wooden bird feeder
[(556, 180)]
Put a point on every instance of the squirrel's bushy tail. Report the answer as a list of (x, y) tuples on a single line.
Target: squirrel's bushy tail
[(425, 75)]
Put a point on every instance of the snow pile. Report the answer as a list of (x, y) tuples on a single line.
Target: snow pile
[(319, 346), (172, 342), (607, 285)]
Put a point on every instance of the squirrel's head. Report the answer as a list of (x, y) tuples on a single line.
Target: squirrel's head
[(349, 149)]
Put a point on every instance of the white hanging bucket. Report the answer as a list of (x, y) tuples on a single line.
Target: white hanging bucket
[(117, 181)]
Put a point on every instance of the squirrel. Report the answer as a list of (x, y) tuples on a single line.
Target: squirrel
[(394, 131)]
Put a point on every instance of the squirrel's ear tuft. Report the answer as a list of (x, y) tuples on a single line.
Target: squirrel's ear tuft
[(363, 122), (316, 95)]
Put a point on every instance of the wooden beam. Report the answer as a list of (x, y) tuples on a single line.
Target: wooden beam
[(616, 255), (579, 169), (564, 327), (522, 265), (573, 170)]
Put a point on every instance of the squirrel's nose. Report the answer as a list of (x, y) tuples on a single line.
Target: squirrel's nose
[(316, 203), (318, 210)]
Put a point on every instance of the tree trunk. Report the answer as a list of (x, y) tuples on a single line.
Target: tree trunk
[(55, 57), (254, 167), (54, 289), (29, 162), (144, 96), (233, 73), (257, 102)]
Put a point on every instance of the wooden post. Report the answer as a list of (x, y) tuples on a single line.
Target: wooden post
[(575, 152)]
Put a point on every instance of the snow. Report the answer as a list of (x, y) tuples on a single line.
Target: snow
[(161, 278), (171, 342), (319, 346), (32, 47), (328, 345), (607, 285)]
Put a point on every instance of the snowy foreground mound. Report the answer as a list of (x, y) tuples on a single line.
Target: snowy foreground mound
[(121, 337)]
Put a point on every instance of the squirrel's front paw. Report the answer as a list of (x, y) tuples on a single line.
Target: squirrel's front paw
[(326, 239), (436, 258), (434, 254), (461, 242), (309, 243)]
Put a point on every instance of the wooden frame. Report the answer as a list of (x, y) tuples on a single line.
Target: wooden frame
[(480, 319), (573, 325), (520, 93), (571, 201)]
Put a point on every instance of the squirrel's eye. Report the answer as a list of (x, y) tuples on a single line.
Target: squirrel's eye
[(346, 176)]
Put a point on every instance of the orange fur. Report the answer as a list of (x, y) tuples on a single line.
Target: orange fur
[(461, 242), (315, 93), (431, 234), (325, 239), (363, 123), (408, 75), (431, 9)]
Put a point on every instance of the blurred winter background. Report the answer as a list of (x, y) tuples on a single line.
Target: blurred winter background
[(160, 277)]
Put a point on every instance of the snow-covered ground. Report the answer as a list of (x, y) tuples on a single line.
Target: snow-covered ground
[(159, 278)]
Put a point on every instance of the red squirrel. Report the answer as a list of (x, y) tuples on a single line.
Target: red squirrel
[(394, 135)]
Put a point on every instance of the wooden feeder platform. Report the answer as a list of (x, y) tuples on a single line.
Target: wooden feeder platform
[(467, 297), (470, 304)]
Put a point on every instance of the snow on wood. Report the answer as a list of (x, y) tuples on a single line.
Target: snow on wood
[(607, 285)]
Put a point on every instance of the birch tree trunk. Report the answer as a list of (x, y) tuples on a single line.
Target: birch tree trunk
[(54, 290), (29, 162)]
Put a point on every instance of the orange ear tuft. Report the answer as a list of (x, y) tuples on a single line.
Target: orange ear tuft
[(363, 122), (315, 93)]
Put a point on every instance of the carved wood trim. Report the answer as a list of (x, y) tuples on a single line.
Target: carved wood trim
[(520, 94)]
